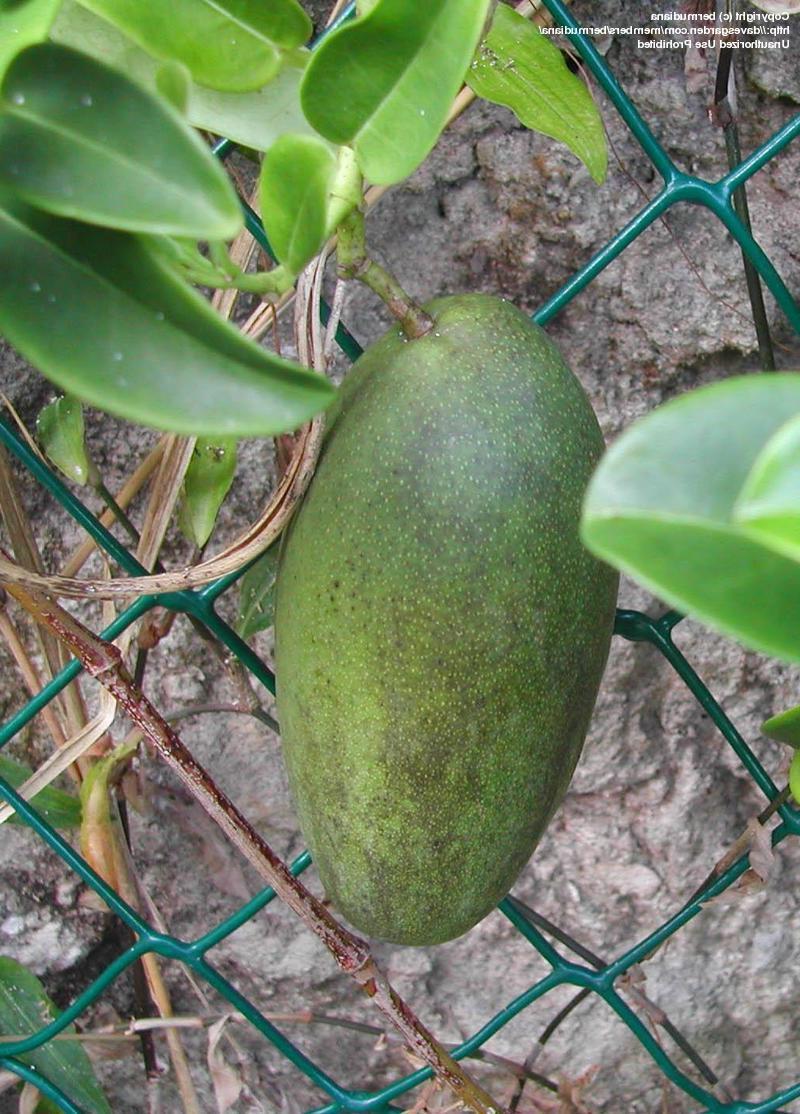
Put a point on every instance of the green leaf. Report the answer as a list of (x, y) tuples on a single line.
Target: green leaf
[(784, 727), (23, 23), (257, 593), (81, 140), (284, 20), (254, 119), (107, 320), (207, 482), (57, 807), (61, 434), (768, 507), (296, 176), (172, 82), (519, 67), (24, 1009), (385, 82), (234, 45), (794, 777), (662, 507)]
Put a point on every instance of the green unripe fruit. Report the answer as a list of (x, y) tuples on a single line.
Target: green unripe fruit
[(440, 629)]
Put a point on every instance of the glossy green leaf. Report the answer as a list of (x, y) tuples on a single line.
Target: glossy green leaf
[(385, 82), (257, 593), (768, 507), (296, 175), (80, 139), (784, 727), (662, 507), (22, 23), (172, 82), (794, 776), (208, 480), (108, 321), (61, 434), (233, 45), (519, 67), (57, 807), (25, 1009), (254, 119)]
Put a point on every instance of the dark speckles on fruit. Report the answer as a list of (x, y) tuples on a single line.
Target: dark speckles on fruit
[(434, 577)]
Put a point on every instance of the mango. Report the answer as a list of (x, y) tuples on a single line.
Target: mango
[(440, 630)]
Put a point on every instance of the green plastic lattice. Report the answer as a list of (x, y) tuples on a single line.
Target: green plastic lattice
[(590, 974)]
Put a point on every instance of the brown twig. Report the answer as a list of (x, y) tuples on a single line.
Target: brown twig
[(104, 662)]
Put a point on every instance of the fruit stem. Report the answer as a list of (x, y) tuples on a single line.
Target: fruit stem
[(354, 263)]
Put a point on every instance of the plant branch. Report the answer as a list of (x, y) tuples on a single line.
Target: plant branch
[(354, 263), (104, 662)]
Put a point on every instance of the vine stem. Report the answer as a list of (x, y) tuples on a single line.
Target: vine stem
[(724, 113), (353, 262), (103, 661)]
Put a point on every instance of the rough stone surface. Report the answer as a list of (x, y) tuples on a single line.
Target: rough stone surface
[(658, 796)]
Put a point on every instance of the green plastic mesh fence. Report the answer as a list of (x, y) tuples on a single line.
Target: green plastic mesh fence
[(580, 969)]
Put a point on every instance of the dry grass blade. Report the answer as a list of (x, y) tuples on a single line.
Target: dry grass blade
[(123, 498), (30, 677), (166, 490), (28, 1099), (71, 751), (26, 551), (228, 1084), (157, 919)]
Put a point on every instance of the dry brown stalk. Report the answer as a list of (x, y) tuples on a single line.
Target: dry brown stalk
[(68, 707)]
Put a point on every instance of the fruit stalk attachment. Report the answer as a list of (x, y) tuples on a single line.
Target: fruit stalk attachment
[(353, 262)]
